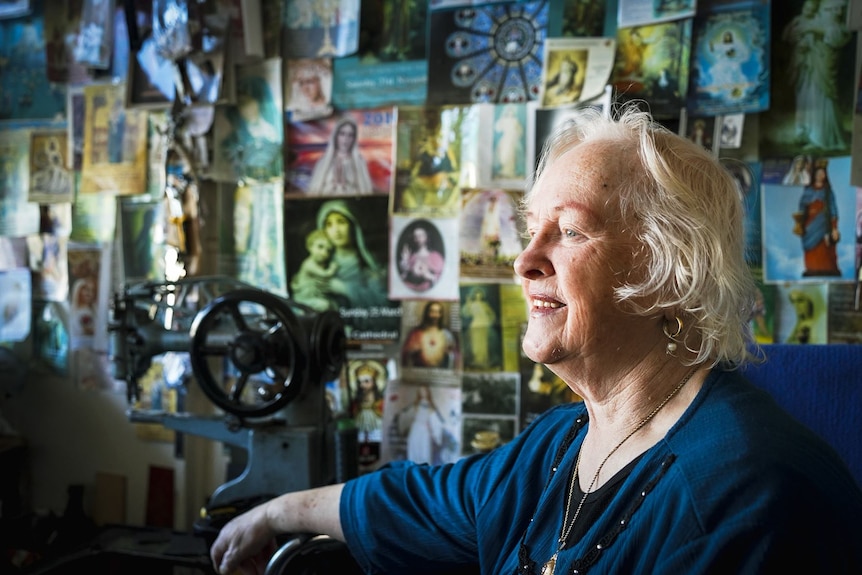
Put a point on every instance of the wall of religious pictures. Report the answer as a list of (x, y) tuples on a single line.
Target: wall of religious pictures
[(370, 159)]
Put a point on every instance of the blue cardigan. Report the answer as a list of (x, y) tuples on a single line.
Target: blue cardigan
[(736, 486)]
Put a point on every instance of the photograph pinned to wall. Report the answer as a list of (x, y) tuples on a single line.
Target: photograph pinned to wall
[(359, 250), (496, 395), (27, 94), (258, 236), (433, 158), (490, 232), (704, 131), (50, 265), (15, 8), (18, 216), (491, 410), (763, 311), (89, 267), (811, 106), (634, 12), (845, 313), (423, 258), (585, 19), (62, 25), (732, 126), (51, 179), (248, 135), (142, 222), (16, 302), (481, 327), (542, 122), (319, 28), (809, 231), (422, 423), (55, 219), (540, 390), (50, 337), (157, 394), (431, 341), (730, 70), (349, 154), (390, 66), (747, 178), (94, 217), (76, 114), (801, 313), (96, 35), (502, 164), (308, 88), (367, 379), (575, 69), (115, 142), (652, 64), (493, 53)]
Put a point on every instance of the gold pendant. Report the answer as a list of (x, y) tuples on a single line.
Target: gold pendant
[(548, 568)]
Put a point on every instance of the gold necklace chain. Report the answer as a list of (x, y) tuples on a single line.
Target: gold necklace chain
[(548, 568)]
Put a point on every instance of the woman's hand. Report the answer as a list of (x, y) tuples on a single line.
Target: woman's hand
[(245, 543)]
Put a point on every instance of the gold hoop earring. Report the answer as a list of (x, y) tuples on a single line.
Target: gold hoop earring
[(671, 347)]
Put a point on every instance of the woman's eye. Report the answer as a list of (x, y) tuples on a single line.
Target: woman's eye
[(569, 233)]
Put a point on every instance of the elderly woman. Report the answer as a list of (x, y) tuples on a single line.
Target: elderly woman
[(673, 463)]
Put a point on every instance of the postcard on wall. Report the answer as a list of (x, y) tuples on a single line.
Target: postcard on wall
[(51, 178), (25, 91), (94, 217), (75, 121), (492, 316), (652, 63), (62, 25), (494, 53), (503, 163), (258, 226), (390, 66), (811, 104), (423, 258), (541, 389), (18, 216), (115, 142), (319, 29), (730, 58), (96, 37), (802, 313), (50, 265), (490, 235), (748, 179), (368, 378), (433, 158), (141, 228), (430, 341), (15, 301), (308, 88), (542, 122), (576, 69), (89, 269), (337, 258), (349, 154), (845, 313), (809, 230), (493, 399), (640, 12), (15, 8), (51, 337), (248, 136), (422, 423)]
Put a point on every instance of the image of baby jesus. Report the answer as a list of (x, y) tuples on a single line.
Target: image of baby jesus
[(310, 284)]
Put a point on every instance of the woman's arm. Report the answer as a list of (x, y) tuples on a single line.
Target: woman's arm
[(247, 541)]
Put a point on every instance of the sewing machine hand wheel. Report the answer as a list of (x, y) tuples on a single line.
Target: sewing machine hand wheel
[(259, 343)]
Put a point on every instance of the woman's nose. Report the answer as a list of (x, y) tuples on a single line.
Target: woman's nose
[(532, 263)]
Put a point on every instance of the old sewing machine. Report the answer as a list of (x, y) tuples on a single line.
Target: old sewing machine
[(262, 359)]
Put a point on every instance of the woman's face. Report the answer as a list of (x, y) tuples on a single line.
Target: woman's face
[(346, 137), (578, 252), (338, 228)]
